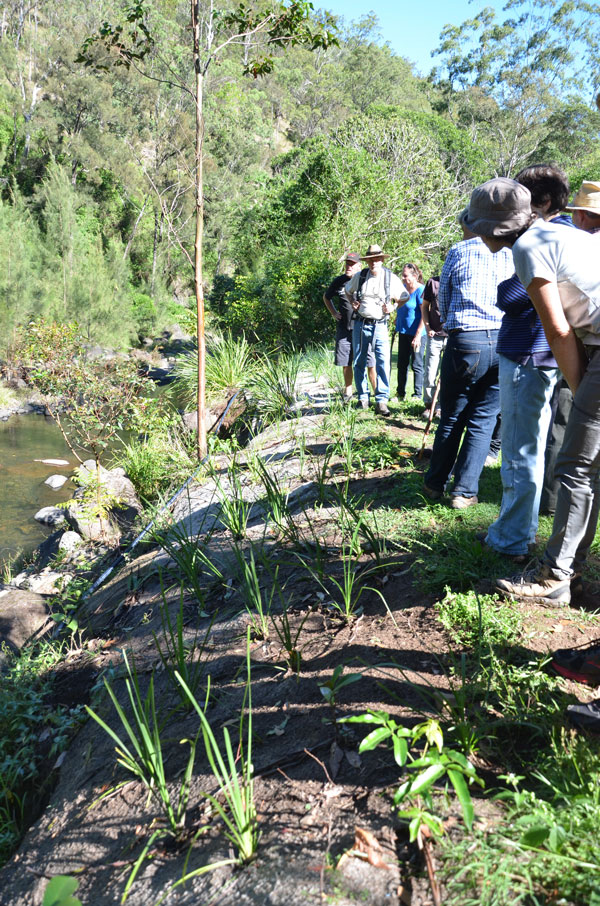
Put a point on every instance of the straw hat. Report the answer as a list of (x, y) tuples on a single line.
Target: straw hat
[(587, 199)]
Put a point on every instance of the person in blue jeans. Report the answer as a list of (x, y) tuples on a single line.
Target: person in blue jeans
[(528, 375), (409, 331), (374, 293), (469, 394)]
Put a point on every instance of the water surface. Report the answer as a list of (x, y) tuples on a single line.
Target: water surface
[(24, 438)]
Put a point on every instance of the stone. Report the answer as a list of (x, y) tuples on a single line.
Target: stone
[(56, 481), (23, 614), (120, 516), (69, 542), (53, 462), (50, 515), (48, 581)]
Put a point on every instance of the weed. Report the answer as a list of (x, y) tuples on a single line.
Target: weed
[(230, 363), (188, 553), (333, 686), (177, 654), (277, 501), (479, 620), (289, 637), (235, 509), (139, 750), (239, 811), (258, 606)]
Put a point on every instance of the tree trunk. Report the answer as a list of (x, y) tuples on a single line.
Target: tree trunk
[(199, 230)]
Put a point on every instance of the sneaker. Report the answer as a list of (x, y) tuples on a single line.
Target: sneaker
[(382, 409), (585, 716), (437, 413), (431, 493), (581, 664), (491, 460), (347, 398), (426, 413), (539, 584), (458, 502), (363, 404)]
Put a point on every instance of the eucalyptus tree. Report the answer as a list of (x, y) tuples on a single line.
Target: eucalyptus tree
[(256, 29), (504, 76)]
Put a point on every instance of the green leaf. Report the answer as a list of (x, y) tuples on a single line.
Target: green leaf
[(400, 750), (464, 797), (372, 717), (374, 738), (421, 783), (535, 836), (58, 892)]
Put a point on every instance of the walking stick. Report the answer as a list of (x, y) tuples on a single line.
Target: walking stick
[(436, 391)]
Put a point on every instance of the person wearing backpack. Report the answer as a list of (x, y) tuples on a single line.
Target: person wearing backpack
[(375, 292)]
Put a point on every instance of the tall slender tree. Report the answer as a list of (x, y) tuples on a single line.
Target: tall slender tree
[(257, 29)]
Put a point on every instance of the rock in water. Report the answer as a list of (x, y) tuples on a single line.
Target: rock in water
[(56, 481), (53, 462), (50, 515)]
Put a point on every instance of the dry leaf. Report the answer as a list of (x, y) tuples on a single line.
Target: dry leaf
[(365, 842)]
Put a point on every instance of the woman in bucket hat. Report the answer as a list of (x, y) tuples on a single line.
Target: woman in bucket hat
[(558, 267)]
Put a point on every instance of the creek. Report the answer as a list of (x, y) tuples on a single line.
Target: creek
[(23, 439)]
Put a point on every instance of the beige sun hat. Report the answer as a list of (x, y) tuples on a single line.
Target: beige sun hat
[(587, 199), (374, 251)]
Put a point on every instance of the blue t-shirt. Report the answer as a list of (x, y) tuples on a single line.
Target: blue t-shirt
[(408, 316)]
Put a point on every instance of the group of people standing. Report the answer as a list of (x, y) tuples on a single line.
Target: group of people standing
[(366, 298), (519, 315)]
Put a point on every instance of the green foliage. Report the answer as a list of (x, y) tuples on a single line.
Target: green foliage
[(24, 717), (59, 892), (237, 792), (425, 768), (90, 399), (231, 364), (140, 751), (479, 620)]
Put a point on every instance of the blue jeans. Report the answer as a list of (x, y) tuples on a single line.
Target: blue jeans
[(470, 402), (375, 338), (525, 394)]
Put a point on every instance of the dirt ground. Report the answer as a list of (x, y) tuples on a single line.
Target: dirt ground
[(328, 833)]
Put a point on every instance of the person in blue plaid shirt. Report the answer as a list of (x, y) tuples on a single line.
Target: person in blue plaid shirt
[(469, 390)]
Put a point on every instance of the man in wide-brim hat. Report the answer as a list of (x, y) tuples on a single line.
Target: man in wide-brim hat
[(585, 207), (375, 292)]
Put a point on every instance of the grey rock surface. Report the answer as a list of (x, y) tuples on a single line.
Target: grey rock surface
[(56, 481), (22, 614), (50, 515)]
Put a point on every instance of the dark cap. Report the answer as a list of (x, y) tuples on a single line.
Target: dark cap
[(498, 208), (353, 257)]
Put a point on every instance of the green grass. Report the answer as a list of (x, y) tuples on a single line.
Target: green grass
[(473, 620)]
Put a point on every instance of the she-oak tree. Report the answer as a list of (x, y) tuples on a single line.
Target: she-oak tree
[(258, 29)]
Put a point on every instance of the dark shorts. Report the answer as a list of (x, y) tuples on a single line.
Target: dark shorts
[(343, 350)]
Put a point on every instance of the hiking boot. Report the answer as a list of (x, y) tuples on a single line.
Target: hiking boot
[(363, 404), (538, 584), (431, 492), (382, 409), (585, 716), (581, 664), (458, 502)]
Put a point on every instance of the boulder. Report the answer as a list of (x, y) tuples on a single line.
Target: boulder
[(23, 614), (50, 515), (120, 514), (56, 481), (69, 542), (48, 581)]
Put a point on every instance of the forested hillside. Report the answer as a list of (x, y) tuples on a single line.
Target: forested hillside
[(332, 149)]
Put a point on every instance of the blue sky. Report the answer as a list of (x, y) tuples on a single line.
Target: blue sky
[(412, 27)]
